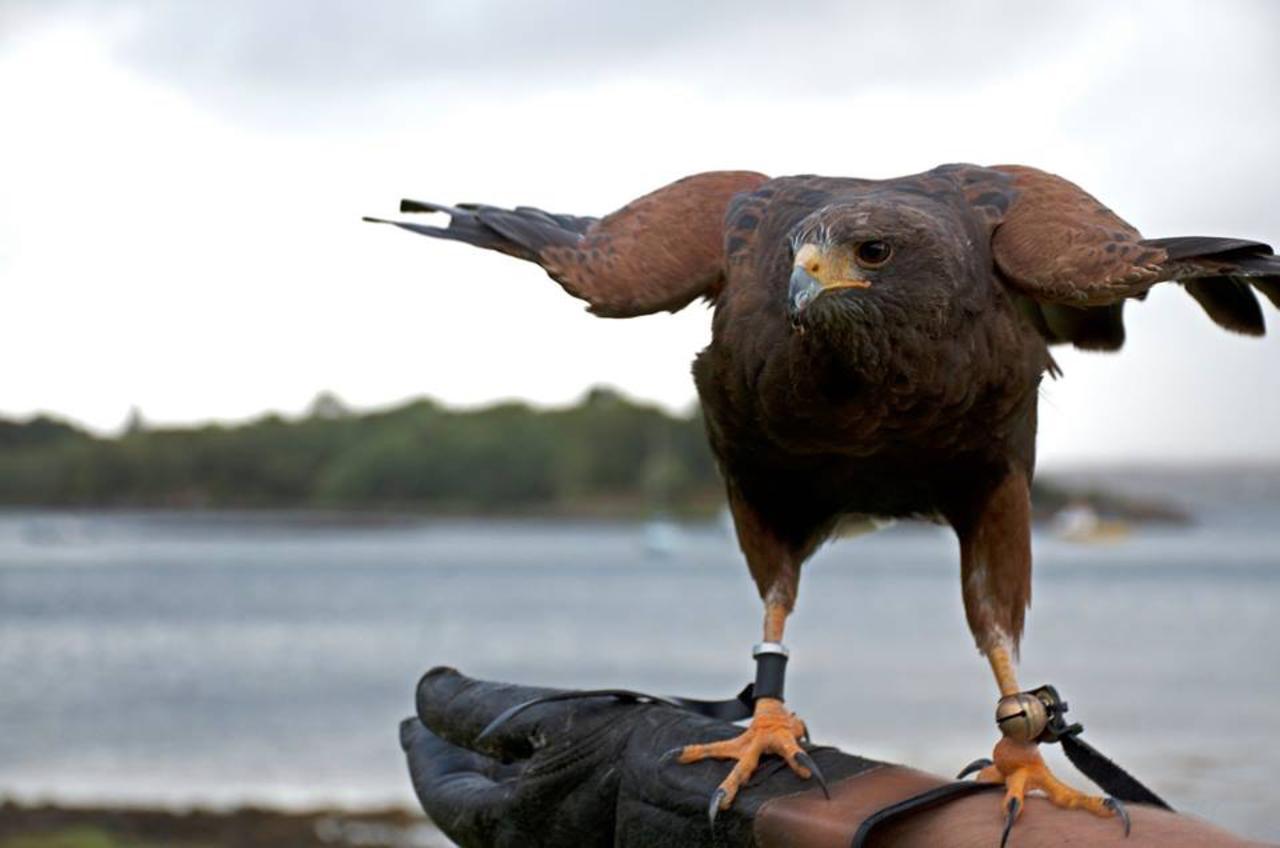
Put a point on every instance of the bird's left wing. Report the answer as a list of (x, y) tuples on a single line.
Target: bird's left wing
[(1079, 261), (658, 252)]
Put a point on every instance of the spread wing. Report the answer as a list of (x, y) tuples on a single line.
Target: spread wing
[(1076, 262), (658, 252)]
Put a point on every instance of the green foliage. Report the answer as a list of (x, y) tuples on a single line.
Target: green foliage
[(77, 837), (505, 457), (605, 454)]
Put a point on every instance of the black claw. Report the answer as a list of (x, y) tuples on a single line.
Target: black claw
[(1116, 807), (713, 809), (667, 758), (488, 730), (1009, 819), (977, 765), (805, 760), (502, 718), (513, 711)]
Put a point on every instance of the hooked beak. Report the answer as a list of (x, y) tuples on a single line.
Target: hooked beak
[(804, 289), (814, 274)]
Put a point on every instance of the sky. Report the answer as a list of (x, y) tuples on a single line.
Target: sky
[(181, 186)]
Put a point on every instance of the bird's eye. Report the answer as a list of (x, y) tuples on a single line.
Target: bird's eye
[(873, 254)]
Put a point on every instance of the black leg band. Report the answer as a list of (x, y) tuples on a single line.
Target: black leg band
[(771, 669)]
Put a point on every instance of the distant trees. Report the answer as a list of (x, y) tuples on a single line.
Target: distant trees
[(605, 453)]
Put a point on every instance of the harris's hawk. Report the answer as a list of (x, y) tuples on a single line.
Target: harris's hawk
[(877, 350)]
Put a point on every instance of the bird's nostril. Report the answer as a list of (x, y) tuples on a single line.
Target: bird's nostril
[(814, 268)]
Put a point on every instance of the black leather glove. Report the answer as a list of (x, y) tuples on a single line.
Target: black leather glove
[(592, 771), (579, 772)]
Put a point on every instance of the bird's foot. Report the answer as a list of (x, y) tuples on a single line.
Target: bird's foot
[(773, 730), (1019, 766)]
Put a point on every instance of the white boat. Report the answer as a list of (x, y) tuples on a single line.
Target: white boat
[(662, 538), (1081, 523)]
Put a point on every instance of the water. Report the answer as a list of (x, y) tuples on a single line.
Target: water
[(225, 658)]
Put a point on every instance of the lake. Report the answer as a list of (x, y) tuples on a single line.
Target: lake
[(224, 658)]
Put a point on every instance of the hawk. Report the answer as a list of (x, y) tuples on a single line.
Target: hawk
[(877, 350)]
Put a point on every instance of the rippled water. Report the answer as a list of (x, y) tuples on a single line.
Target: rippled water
[(222, 658)]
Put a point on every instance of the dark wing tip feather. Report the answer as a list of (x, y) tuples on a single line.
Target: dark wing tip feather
[(533, 232), (409, 206), (1219, 273), (1261, 265), (1269, 286), (1192, 247), (1230, 303), (576, 223), (421, 229), (465, 227)]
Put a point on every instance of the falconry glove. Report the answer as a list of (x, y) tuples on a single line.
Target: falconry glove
[(582, 769)]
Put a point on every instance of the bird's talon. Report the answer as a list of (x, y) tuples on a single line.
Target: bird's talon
[(713, 809), (804, 759), (668, 757), (1114, 805), (1012, 807), (1021, 768), (773, 730), (975, 766)]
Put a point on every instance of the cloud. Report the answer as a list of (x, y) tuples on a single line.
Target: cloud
[(237, 52), (183, 182)]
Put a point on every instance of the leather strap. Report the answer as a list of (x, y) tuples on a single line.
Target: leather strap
[(894, 805), (920, 802), (1095, 765), (859, 806), (736, 708), (1103, 771), (730, 709)]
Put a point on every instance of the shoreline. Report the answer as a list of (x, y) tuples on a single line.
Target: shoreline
[(1052, 500), (56, 825)]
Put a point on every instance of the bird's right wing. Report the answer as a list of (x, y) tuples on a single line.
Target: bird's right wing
[(658, 252)]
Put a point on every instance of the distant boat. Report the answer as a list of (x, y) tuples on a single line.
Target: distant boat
[(662, 538), (1081, 523)]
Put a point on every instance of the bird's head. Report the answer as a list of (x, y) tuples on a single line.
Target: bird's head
[(875, 260)]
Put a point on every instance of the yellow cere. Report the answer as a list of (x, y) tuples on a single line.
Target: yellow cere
[(832, 270)]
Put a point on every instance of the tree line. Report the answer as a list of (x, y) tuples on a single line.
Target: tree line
[(606, 455)]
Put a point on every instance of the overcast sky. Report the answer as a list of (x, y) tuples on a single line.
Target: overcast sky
[(181, 185)]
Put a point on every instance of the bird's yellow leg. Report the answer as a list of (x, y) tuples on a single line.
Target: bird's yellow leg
[(773, 730), (1016, 761), (1002, 668)]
